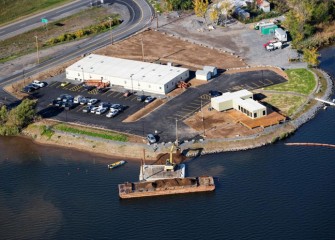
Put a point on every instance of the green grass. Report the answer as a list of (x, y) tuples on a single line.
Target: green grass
[(300, 81), (14, 9), (100, 134), (46, 131), (287, 104)]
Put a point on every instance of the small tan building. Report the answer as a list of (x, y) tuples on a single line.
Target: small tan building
[(242, 101)]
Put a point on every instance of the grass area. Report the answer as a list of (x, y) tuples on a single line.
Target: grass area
[(300, 81), (14, 9), (26, 43), (92, 133), (286, 103), (322, 81)]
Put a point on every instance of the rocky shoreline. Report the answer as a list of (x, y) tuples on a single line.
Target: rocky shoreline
[(189, 148)]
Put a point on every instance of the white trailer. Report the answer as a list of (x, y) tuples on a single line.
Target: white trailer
[(280, 34)]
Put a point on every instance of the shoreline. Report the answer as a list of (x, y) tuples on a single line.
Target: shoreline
[(138, 151)]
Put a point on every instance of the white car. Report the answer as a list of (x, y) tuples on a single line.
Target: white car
[(112, 113), (38, 83), (78, 98), (94, 109), (92, 101), (149, 99), (101, 110)]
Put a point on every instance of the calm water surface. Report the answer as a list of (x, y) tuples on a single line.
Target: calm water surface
[(274, 192)]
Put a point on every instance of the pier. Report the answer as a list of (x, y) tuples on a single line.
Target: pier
[(324, 101)]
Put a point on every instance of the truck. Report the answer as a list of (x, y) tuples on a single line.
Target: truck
[(273, 46), (96, 83)]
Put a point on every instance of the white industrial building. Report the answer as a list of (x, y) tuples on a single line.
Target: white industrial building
[(211, 69), (203, 75), (242, 101), (130, 74)]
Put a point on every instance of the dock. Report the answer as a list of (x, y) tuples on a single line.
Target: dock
[(156, 172), (324, 101)]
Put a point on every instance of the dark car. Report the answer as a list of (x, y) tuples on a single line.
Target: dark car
[(118, 107), (88, 108), (27, 89), (214, 93), (141, 98), (127, 94)]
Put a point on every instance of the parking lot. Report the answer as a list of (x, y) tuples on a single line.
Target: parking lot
[(164, 119)]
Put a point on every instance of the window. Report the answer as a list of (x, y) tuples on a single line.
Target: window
[(78, 74), (264, 113), (239, 107), (255, 115), (160, 87)]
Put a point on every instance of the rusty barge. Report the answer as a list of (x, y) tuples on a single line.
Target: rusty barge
[(166, 187)]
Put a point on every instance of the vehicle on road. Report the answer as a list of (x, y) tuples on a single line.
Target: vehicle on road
[(92, 101), (101, 110), (112, 113), (151, 138), (149, 99), (214, 93), (63, 84), (141, 98), (40, 84)]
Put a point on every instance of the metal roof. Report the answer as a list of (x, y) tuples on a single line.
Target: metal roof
[(127, 69)]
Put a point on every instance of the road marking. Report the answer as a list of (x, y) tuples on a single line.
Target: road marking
[(256, 85), (269, 81), (52, 84)]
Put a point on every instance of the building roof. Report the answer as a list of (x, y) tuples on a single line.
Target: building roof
[(127, 69), (202, 72), (230, 96), (280, 31), (250, 104), (209, 68)]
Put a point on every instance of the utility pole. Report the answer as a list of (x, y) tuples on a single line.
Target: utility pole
[(110, 28), (131, 78), (142, 49), (203, 119), (38, 55), (177, 141)]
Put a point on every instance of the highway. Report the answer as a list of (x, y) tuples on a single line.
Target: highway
[(140, 16)]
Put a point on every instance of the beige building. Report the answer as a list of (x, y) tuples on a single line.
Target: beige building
[(242, 101)]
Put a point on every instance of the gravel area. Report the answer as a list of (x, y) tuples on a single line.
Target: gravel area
[(237, 38)]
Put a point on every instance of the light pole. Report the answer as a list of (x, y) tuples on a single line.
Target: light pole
[(110, 28), (202, 117), (131, 78), (38, 55), (83, 73), (157, 19)]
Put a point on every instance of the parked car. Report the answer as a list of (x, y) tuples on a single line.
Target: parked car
[(112, 113), (78, 98), (151, 138), (117, 106), (27, 89), (89, 88), (34, 86), (101, 110), (64, 96), (88, 108), (92, 101), (56, 102), (141, 98), (127, 94), (84, 101), (38, 83), (214, 93), (94, 109), (63, 84), (105, 105), (149, 99)]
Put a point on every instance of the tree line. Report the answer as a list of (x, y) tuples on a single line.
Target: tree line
[(13, 121)]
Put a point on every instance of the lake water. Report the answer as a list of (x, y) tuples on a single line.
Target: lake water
[(273, 192)]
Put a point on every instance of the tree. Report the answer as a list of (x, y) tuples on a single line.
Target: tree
[(200, 8), (3, 114), (214, 15), (225, 6), (311, 56)]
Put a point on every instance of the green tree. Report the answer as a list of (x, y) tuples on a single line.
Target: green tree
[(214, 15), (200, 8), (3, 115), (311, 56)]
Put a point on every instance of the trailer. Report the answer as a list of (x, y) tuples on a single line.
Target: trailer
[(269, 29), (280, 34)]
